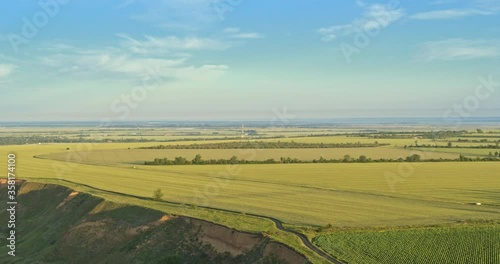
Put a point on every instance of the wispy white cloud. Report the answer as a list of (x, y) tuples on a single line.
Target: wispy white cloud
[(6, 69), (127, 61), (459, 49), (130, 58), (449, 14), (118, 63), (332, 32), (162, 45), (247, 36), (237, 34), (374, 16), (472, 8)]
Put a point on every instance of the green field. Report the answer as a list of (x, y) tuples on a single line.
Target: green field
[(442, 245)]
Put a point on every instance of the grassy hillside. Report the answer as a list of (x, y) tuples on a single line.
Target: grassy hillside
[(58, 225)]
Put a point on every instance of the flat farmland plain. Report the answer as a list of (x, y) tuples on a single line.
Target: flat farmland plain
[(337, 206), (304, 194)]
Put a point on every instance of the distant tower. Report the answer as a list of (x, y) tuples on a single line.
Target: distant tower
[(242, 132)]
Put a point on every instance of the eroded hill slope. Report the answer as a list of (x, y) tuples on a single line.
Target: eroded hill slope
[(57, 225)]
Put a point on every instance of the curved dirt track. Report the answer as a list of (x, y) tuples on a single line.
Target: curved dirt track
[(304, 239), (277, 222)]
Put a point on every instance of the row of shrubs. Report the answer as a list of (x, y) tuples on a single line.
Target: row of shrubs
[(266, 145), (21, 140), (347, 159), (450, 145)]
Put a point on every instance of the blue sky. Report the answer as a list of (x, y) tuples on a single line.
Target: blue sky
[(242, 59)]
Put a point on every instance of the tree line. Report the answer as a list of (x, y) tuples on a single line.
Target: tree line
[(266, 145), (35, 139), (450, 145), (21, 140), (198, 160), (412, 134)]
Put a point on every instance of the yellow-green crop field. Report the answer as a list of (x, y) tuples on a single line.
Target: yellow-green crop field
[(385, 194), (458, 151), (138, 156)]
